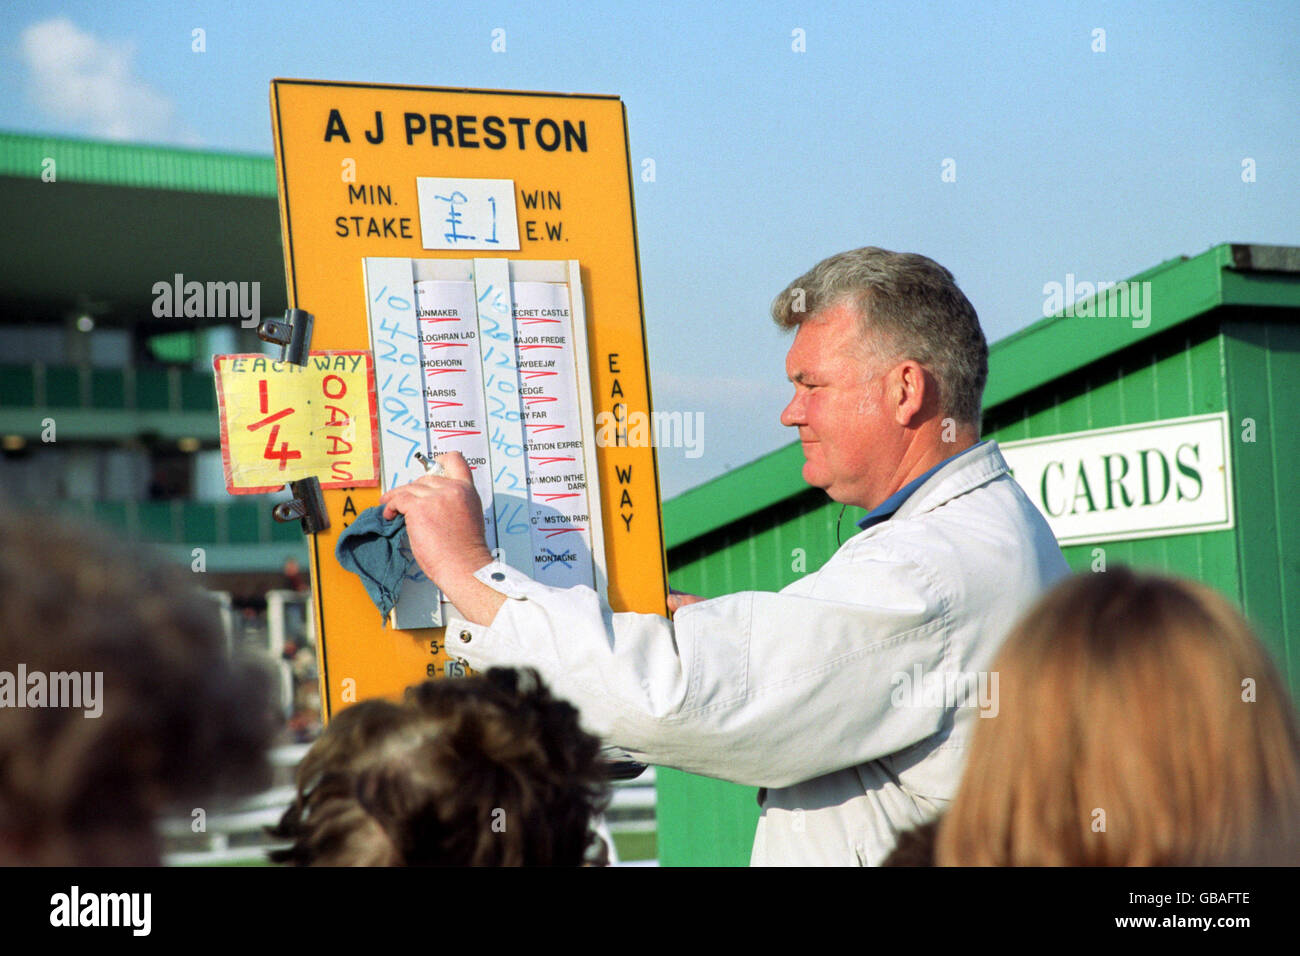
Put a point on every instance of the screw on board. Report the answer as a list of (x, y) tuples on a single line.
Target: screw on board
[(307, 505), (292, 334)]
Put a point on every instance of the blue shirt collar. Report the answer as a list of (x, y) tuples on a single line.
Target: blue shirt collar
[(895, 501)]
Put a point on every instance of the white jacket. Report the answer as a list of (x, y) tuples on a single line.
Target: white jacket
[(811, 692)]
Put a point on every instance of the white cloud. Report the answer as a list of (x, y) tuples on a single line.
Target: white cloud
[(90, 83)]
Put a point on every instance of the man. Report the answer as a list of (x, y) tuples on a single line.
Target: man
[(810, 693)]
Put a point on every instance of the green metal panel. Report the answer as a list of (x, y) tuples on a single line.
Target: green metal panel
[(114, 515), (242, 521), (735, 495), (151, 523), (76, 510), (286, 531), (17, 386), (151, 390), (712, 821), (107, 388), (1263, 381), (62, 387), (156, 521), (198, 393), (198, 522)]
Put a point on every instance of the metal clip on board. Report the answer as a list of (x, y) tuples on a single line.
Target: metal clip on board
[(293, 335)]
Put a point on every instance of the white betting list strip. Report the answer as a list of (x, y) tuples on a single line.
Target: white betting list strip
[(548, 387), (453, 381), (496, 334), (394, 338)]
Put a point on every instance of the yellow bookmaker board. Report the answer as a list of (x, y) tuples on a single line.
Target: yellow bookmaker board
[(392, 196)]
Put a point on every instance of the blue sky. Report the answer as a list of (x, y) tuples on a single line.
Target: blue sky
[(1067, 159)]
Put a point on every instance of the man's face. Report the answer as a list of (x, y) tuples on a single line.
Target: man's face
[(848, 441)]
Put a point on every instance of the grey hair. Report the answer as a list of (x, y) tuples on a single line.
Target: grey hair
[(908, 307)]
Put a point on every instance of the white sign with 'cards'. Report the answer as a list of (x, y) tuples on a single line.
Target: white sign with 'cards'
[(1135, 481)]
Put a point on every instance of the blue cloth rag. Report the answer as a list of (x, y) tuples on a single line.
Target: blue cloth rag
[(377, 551)]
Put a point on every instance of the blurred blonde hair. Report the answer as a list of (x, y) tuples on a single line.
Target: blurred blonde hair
[(1124, 705)]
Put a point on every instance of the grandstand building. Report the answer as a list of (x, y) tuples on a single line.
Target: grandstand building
[(107, 405)]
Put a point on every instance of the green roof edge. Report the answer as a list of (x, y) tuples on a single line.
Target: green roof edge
[(25, 155), (1181, 289)]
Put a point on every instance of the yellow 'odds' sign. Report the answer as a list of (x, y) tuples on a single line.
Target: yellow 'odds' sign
[(281, 422), (367, 172)]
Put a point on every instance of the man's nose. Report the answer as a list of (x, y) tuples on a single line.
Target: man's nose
[(792, 414)]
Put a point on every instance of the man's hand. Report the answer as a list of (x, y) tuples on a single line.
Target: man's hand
[(679, 599), (444, 521)]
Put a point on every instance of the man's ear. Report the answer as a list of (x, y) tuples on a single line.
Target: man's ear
[(909, 389)]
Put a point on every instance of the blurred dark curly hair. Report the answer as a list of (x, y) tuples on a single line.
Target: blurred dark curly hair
[(179, 719), (488, 770)]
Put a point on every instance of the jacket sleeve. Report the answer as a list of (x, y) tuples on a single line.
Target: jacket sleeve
[(760, 688)]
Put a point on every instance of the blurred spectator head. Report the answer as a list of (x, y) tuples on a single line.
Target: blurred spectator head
[(294, 578), (487, 770), (1141, 723), (118, 698)]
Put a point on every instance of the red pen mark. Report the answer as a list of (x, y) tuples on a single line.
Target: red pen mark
[(554, 531), (446, 345), (442, 371), (439, 403), (522, 347), (536, 374), (543, 428), (556, 495), (548, 459), (540, 398), (456, 433), (535, 321)]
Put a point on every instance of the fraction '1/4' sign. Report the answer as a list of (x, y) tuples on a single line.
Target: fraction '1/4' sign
[(282, 422)]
